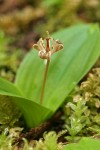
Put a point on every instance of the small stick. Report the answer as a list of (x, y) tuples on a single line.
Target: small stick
[(37, 132), (44, 81)]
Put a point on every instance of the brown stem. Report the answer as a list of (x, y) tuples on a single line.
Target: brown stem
[(44, 81), (36, 133)]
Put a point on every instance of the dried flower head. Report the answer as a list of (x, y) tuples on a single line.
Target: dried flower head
[(46, 50)]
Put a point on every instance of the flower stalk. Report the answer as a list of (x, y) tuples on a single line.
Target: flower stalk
[(45, 52), (44, 81)]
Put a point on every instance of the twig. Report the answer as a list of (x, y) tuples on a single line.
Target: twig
[(37, 132), (44, 81)]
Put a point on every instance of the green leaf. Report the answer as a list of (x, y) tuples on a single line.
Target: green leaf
[(84, 144), (8, 88), (67, 67), (34, 113)]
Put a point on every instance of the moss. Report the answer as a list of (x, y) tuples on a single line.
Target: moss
[(9, 58), (82, 113)]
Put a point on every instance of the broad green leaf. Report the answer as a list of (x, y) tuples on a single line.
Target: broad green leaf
[(8, 88), (67, 67), (84, 144), (34, 113)]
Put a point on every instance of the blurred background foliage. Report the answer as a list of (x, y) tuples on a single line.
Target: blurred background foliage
[(36, 16), (24, 21)]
